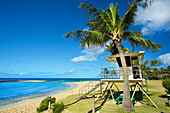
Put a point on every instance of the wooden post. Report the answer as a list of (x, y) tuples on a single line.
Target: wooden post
[(100, 87), (49, 102), (140, 63), (147, 96), (134, 92), (104, 90), (93, 104), (116, 86), (112, 93)]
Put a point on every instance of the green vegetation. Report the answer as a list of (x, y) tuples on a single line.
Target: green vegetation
[(150, 69), (58, 107), (106, 71), (166, 84), (126, 50), (156, 93), (44, 104), (107, 25)]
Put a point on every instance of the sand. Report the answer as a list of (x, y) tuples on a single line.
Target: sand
[(30, 107)]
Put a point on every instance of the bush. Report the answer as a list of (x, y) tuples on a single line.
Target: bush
[(58, 107), (53, 100), (166, 84), (44, 104), (165, 76)]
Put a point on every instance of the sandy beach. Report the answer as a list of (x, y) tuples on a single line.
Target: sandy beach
[(30, 107)]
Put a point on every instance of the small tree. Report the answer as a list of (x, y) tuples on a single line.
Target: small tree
[(166, 84), (168, 68)]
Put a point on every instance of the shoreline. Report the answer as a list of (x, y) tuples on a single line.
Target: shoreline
[(25, 100), (30, 105), (23, 80)]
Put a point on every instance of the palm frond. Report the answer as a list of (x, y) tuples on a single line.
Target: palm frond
[(130, 33), (146, 62), (93, 14), (143, 43), (129, 16), (113, 14), (88, 38)]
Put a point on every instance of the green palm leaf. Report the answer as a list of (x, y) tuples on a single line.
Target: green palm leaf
[(94, 15), (129, 17), (143, 43), (88, 38)]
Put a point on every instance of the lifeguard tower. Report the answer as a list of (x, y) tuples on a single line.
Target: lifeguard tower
[(133, 62), (111, 76)]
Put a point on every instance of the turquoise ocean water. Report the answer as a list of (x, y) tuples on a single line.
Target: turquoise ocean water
[(14, 92)]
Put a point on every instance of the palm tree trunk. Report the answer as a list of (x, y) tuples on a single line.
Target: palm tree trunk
[(127, 104)]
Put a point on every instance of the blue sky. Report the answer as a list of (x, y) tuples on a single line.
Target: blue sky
[(32, 42)]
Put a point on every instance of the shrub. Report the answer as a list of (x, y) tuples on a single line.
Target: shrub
[(166, 84), (53, 100), (165, 76), (58, 107), (44, 104)]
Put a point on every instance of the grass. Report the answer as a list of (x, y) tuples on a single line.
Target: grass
[(156, 93)]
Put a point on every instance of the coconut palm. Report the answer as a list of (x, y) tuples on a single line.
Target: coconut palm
[(145, 68), (114, 73), (155, 63), (111, 48), (107, 25), (106, 70)]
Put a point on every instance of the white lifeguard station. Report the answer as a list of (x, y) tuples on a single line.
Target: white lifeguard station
[(133, 62), (110, 76)]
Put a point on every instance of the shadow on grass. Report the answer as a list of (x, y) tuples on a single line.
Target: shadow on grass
[(163, 96), (71, 103), (74, 102), (167, 104), (99, 107)]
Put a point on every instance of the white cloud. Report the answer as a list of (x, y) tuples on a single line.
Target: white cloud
[(86, 69), (6, 72), (86, 29), (34, 73), (67, 73), (155, 18), (90, 55), (89, 68), (165, 58)]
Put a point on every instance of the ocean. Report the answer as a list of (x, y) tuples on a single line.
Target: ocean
[(12, 91)]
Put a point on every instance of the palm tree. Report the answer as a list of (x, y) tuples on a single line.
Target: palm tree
[(145, 69), (155, 63), (111, 48), (107, 25), (114, 73)]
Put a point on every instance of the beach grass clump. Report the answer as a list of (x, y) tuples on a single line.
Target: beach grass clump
[(58, 107), (45, 103)]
